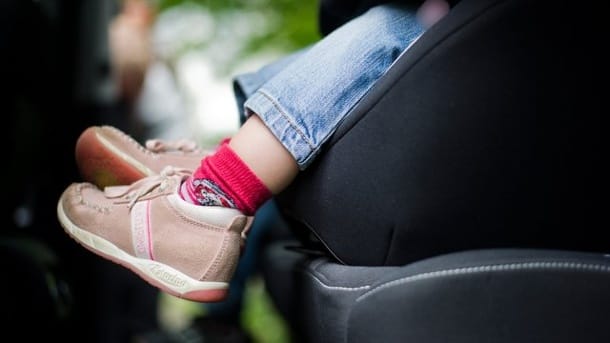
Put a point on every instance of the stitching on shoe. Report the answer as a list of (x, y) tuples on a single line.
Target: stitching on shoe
[(132, 141)]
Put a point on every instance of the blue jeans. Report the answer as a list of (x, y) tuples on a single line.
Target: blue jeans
[(304, 97)]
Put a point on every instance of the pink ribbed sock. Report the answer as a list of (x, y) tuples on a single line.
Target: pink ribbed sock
[(223, 179)]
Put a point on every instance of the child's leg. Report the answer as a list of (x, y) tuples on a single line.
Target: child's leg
[(264, 154), (297, 110), (305, 102)]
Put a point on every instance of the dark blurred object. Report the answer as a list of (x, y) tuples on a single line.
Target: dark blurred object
[(36, 291), (202, 330), (37, 68), (57, 81)]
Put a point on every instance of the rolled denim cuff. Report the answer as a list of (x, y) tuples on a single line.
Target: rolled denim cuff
[(281, 124)]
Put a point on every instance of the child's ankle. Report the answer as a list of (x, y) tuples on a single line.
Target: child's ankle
[(205, 193), (223, 179)]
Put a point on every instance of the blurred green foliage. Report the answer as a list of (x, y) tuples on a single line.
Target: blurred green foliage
[(284, 25), (260, 317)]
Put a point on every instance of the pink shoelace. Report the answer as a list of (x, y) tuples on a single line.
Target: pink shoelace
[(168, 177)]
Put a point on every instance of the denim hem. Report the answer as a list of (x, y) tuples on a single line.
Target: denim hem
[(282, 125)]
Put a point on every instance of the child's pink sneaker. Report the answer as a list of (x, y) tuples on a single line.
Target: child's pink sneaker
[(106, 156), (183, 249)]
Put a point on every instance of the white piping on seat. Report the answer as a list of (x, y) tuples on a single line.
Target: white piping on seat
[(487, 268)]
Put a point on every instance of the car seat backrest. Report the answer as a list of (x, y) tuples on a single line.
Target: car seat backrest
[(486, 133)]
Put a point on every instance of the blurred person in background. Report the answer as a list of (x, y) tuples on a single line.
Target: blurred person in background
[(145, 79)]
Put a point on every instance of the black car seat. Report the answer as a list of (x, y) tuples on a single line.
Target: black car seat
[(462, 199)]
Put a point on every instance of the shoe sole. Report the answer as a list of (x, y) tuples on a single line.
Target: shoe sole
[(159, 275), (104, 164)]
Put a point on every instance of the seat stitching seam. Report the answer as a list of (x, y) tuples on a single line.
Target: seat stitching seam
[(486, 268)]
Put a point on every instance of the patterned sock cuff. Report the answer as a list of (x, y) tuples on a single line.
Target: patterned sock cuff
[(226, 169)]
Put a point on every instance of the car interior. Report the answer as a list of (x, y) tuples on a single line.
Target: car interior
[(460, 201)]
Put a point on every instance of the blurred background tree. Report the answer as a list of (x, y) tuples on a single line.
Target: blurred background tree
[(234, 30), (207, 42)]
